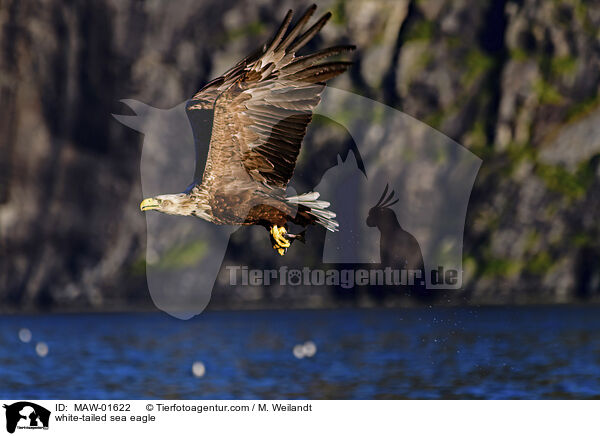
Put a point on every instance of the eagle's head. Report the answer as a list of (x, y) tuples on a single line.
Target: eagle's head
[(176, 204)]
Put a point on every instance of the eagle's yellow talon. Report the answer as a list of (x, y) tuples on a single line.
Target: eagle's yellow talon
[(279, 249), (278, 235), (281, 243)]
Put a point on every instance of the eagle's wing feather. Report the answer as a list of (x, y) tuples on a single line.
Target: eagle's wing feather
[(263, 105)]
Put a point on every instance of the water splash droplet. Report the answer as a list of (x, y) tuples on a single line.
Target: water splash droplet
[(298, 351), (309, 348), (198, 369), (41, 348), (25, 335)]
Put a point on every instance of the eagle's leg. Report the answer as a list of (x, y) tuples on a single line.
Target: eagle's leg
[(281, 243)]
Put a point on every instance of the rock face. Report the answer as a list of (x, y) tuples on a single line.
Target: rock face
[(515, 82)]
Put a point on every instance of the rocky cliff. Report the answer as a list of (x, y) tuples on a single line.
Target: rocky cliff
[(514, 82)]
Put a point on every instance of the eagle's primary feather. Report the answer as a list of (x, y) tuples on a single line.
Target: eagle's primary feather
[(257, 114)]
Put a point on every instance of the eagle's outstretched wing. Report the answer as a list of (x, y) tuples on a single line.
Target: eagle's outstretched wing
[(262, 106)]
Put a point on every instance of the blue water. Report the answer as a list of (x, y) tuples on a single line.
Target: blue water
[(535, 352)]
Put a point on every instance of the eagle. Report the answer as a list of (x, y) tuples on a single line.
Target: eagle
[(254, 118)]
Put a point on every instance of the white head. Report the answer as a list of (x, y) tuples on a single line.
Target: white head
[(176, 204)]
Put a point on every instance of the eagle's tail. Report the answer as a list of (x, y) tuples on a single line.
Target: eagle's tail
[(316, 209)]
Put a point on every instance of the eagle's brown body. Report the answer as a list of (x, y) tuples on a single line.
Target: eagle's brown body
[(257, 114), (253, 207)]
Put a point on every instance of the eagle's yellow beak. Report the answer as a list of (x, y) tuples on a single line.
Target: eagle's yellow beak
[(149, 204)]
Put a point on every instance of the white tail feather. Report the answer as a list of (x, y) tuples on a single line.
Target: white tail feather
[(309, 196), (317, 209)]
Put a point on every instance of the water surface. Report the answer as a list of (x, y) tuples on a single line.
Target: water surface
[(532, 352)]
